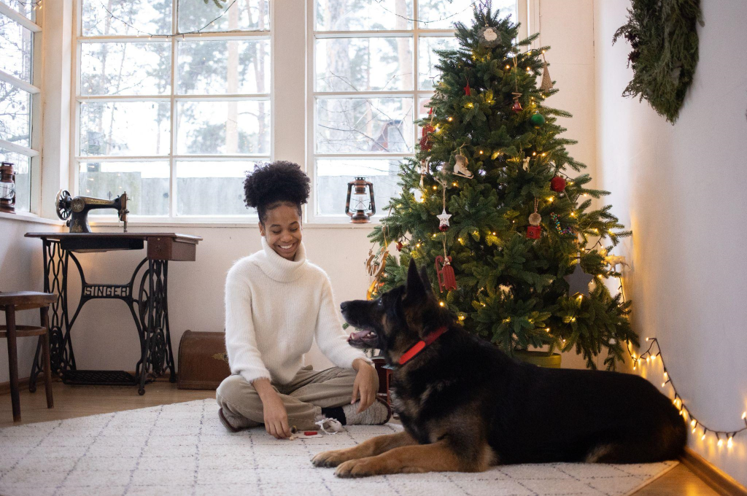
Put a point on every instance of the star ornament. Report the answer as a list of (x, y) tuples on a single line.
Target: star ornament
[(443, 220), (578, 281)]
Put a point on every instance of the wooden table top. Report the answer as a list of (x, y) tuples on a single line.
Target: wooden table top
[(182, 238)]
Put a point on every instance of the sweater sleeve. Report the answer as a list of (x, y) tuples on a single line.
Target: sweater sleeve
[(330, 336), (241, 343)]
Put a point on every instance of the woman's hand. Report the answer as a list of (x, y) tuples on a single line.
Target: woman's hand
[(365, 385), (275, 415)]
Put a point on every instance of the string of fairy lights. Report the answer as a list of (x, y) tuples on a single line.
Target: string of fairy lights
[(648, 357)]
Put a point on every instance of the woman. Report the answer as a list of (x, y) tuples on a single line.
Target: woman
[(277, 303)]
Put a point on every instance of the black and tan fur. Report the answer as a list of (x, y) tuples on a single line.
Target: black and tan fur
[(465, 405)]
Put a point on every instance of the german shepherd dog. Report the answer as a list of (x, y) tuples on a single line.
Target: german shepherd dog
[(465, 405)]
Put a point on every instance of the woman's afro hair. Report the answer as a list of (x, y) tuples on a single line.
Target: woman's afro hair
[(280, 181)]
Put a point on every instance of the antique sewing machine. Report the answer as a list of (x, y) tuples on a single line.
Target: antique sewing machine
[(75, 210)]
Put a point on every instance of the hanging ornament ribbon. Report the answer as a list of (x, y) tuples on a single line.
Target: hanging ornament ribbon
[(443, 219), (517, 105)]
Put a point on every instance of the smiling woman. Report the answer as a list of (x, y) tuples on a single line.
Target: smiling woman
[(277, 305)]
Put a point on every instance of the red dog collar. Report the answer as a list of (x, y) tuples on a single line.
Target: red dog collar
[(418, 347)]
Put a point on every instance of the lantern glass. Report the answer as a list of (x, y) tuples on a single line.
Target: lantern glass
[(7, 190)]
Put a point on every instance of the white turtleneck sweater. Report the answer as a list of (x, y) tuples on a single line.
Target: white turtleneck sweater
[(274, 310)]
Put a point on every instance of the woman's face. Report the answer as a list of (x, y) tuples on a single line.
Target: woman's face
[(282, 230)]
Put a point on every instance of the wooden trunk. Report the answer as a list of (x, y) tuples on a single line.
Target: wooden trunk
[(203, 362)]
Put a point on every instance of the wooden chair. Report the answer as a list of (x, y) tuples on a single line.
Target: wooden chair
[(25, 300)]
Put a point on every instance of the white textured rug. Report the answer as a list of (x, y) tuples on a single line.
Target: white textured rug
[(182, 449)]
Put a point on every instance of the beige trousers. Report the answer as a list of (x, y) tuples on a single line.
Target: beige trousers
[(304, 396)]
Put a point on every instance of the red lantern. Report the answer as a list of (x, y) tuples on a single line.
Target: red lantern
[(534, 232), (557, 184)]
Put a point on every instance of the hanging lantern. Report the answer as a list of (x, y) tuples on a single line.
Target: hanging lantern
[(360, 213), (7, 188)]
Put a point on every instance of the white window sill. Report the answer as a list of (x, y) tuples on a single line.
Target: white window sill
[(219, 223), (31, 218)]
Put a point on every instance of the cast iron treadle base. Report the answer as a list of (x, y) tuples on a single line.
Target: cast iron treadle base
[(100, 377)]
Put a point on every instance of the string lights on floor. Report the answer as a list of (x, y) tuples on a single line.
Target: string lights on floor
[(652, 355)]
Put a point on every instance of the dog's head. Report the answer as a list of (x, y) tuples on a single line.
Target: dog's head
[(398, 319)]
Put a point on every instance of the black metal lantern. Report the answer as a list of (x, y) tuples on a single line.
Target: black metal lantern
[(7, 188), (360, 213)]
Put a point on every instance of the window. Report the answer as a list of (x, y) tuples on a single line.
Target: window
[(20, 94), (373, 73), (172, 102)]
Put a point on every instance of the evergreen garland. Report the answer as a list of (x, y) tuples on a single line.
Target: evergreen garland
[(664, 39)]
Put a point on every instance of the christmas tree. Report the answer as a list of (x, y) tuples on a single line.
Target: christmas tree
[(490, 192)]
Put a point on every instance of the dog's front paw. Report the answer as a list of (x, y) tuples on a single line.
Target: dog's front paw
[(330, 458), (356, 468)]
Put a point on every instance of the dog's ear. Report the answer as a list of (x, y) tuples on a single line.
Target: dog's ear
[(426, 280), (415, 289)]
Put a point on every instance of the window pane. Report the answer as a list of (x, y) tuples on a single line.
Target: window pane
[(115, 17), (22, 168), (356, 125), (359, 15), (427, 58), (220, 67), (25, 7), (364, 64), (437, 14), (243, 15), (227, 127), (146, 184), (125, 68), (211, 188), (124, 128), (15, 110), (333, 176), (15, 47)]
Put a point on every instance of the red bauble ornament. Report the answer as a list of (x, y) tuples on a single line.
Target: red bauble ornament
[(516, 107), (443, 228), (445, 273), (557, 184), (399, 245), (534, 232)]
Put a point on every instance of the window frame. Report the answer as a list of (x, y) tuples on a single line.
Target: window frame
[(35, 88), (292, 103), (172, 157), (415, 93)]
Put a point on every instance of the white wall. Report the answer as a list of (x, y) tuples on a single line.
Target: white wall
[(20, 270), (682, 190), (105, 336)]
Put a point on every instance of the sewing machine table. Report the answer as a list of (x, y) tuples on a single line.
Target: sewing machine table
[(148, 306)]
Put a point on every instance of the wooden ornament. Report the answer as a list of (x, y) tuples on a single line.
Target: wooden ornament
[(578, 281), (546, 84), (445, 273), (460, 166)]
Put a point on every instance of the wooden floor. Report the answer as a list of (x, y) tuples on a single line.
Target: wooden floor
[(79, 401)]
